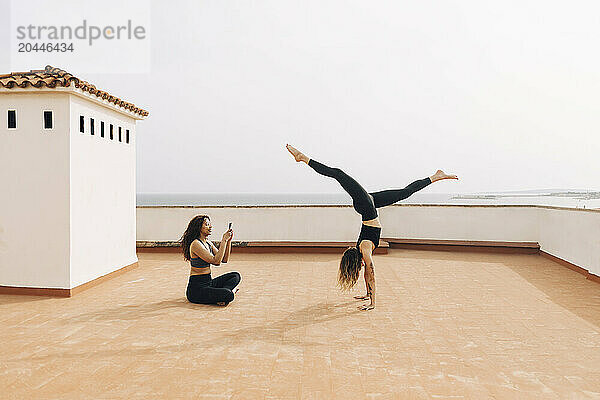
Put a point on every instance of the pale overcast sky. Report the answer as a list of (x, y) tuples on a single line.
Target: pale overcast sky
[(504, 94)]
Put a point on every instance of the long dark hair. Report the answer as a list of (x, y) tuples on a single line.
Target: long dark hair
[(192, 233), (349, 271)]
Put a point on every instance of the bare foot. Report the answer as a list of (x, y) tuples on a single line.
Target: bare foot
[(297, 154), (439, 175), (366, 307)]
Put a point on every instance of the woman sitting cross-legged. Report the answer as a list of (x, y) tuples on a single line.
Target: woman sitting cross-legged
[(201, 253)]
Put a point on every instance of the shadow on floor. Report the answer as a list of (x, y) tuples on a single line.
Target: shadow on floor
[(137, 311), (545, 275), (273, 332), (583, 298)]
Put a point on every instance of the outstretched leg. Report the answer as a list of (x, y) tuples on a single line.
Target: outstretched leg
[(361, 200), (387, 197)]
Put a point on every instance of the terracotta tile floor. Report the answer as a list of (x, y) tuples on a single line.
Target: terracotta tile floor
[(447, 325)]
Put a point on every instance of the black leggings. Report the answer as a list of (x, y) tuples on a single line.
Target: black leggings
[(202, 289), (366, 204)]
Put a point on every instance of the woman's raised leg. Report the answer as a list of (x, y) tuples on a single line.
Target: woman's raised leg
[(362, 202), (387, 197)]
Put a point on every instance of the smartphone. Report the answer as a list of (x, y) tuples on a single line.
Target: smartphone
[(229, 226)]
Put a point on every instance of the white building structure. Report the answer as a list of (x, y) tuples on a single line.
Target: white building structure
[(67, 176)]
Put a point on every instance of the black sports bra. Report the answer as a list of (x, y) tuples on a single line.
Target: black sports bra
[(198, 262), (372, 233)]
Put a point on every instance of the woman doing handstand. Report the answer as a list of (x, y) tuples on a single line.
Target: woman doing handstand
[(366, 204)]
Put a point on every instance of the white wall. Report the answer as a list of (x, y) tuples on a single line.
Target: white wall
[(340, 223), (253, 223), (573, 235), (496, 223), (34, 204), (102, 193)]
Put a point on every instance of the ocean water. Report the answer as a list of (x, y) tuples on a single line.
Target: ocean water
[(557, 198)]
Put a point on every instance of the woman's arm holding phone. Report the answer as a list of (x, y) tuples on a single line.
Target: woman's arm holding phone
[(219, 253), (224, 247), (228, 249)]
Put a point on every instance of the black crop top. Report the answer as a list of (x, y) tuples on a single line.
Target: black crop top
[(198, 262), (372, 233)]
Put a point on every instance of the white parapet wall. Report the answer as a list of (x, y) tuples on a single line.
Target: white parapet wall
[(308, 223), (475, 223), (570, 234), (573, 235)]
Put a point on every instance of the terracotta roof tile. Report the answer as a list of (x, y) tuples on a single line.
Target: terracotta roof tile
[(52, 77)]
